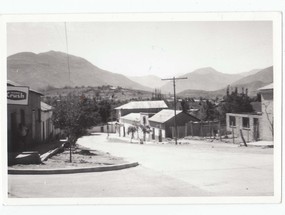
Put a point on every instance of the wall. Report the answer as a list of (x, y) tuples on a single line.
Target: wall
[(48, 131), (181, 119), (250, 134), (267, 115)]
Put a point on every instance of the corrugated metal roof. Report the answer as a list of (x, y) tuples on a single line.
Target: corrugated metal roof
[(45, 107), (143, 105), (132, 117), (164, 115), (11, 83), (267, 87)]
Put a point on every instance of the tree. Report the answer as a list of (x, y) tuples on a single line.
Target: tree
[(208, 111), (74, 116), (184, 106), (132, 129), (234, 103), (105, 110)]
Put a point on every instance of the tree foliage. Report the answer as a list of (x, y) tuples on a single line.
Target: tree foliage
[(74, 116), (208, 111), (234, 102), (105, 110), (184, 105)]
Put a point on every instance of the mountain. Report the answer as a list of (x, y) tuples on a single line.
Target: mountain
[(50, 69), (255, 81), (151, 81), (207, 79), (264, 75), (251, 72), (251, 82)]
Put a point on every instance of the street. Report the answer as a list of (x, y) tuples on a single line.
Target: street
[(166, 170)]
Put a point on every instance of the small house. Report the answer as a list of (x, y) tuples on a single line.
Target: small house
[(162, 123), (246, 124)]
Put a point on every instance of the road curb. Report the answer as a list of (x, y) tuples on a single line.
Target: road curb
[(71, 170)]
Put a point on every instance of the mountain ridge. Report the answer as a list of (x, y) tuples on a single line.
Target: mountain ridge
[(51, 69), (205, 78), (251, 82)]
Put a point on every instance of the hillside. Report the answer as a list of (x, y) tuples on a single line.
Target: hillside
[(264, 76), (102, 92), (251, 82), (207, 79), (40, 71), (151, 81)]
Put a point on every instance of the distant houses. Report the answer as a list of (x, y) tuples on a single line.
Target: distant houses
[(153, 114)]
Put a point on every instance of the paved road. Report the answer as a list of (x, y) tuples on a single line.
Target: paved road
[(195, 169), (216, 168)]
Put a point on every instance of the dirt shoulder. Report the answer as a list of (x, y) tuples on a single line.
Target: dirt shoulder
[(80, 158)]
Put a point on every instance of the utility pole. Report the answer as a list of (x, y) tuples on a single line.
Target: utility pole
[(174, 91)]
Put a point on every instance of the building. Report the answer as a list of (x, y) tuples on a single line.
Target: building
[(247, 123), (23, 117), (257, 125), (162, 123), (267, 129), (48, 131), (134, 119), (140, 107)]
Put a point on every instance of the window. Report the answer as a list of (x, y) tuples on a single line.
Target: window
[(245, 122), (232, 121)]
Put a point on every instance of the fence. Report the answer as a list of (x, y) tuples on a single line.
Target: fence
[(200, 129)]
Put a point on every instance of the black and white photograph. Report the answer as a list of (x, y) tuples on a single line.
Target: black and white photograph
[(143, 108)]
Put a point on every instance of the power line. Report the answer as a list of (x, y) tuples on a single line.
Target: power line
[(174, 86), (68, 63)]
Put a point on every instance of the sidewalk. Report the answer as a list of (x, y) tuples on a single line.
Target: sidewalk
[(116, 138), (261, 143)]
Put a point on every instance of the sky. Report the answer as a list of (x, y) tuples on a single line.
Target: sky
[(165, 49)]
